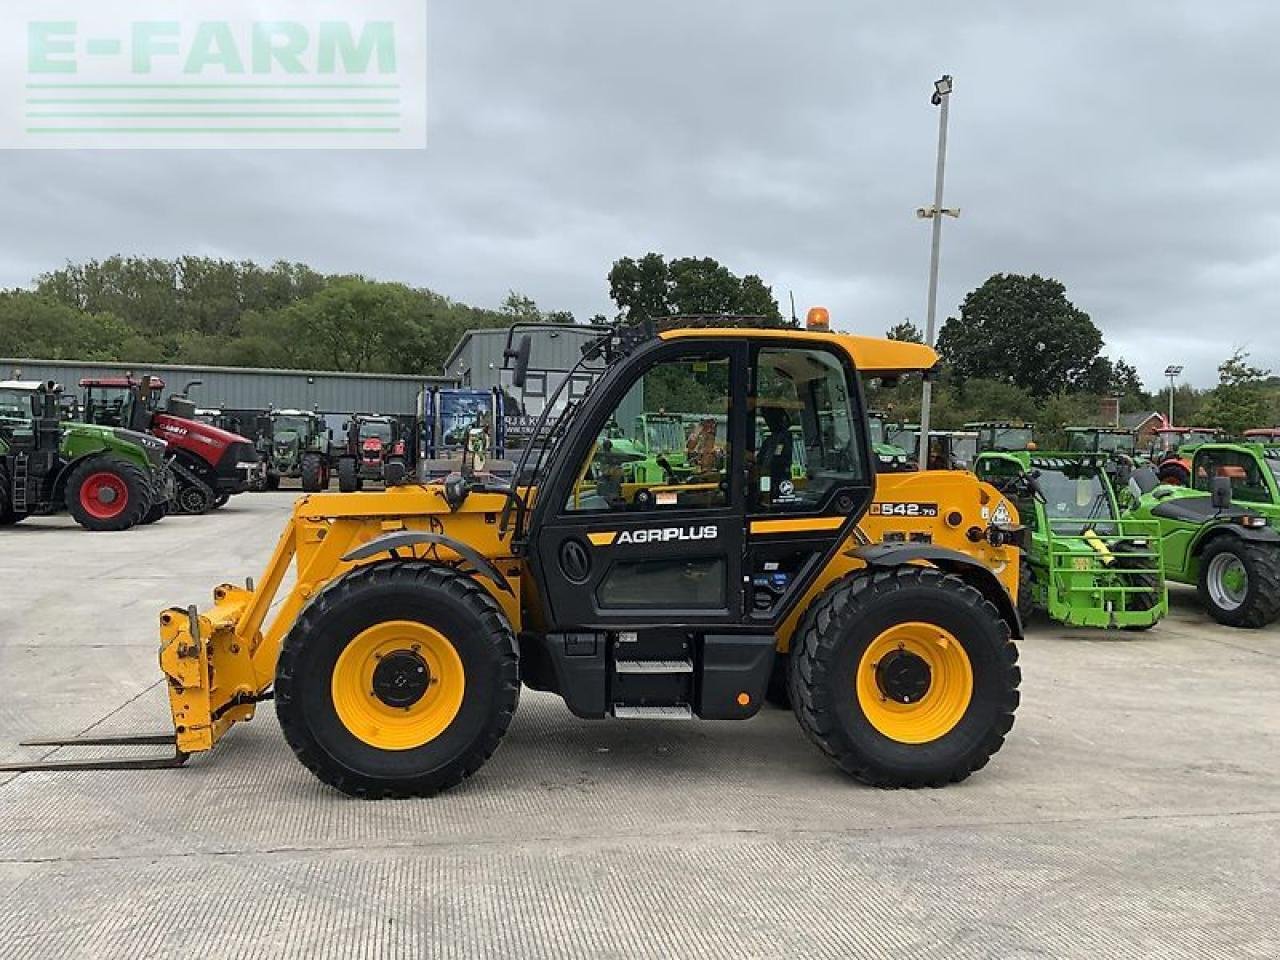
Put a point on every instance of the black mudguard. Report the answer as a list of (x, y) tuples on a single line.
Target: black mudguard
[(882, 556), (401, 539)]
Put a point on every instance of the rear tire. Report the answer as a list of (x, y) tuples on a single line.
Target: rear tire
[(313, 473), (158, 511), (273, 481), (952, 727), (108, 493), (359, 742), (1239, 582)]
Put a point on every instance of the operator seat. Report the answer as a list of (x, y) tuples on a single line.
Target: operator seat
[(777, 452)]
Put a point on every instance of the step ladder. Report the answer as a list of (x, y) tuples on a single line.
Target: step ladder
[(657, 689), (19, 504)]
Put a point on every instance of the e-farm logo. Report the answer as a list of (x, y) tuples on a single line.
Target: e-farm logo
[(232, 74)]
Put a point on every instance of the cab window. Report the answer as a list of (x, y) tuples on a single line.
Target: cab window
[(1248, 482), (806, 435), (665, 446)]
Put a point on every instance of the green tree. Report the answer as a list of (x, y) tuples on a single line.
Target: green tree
[(906, 331), (1240, 400), (1125, 381), (1023, 331), (652, 288)]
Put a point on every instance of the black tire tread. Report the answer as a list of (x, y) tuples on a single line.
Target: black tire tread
[(311, 470), (425, 575), (816, 637)]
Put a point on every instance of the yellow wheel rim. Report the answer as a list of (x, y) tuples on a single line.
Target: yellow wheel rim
[(398, 685), (914, 682)]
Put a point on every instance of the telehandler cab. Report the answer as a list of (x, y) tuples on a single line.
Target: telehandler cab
[(397, 656)]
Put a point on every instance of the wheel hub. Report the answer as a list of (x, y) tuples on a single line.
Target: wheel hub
[(401, 679), (903, 677), (106, 494)]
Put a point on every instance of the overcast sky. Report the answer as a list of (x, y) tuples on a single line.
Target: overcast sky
[(1130, 150)]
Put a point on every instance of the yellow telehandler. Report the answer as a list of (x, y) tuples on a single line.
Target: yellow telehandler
[(883, 608)]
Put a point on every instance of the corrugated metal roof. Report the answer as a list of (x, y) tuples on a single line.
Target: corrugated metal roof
[(245, 388)]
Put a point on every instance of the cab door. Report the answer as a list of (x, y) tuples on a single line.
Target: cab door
[(638, 530), (809, 477)]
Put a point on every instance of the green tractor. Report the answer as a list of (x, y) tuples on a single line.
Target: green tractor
[(1219, 533), (1086, 565), (1005, 436), (300, 449), (890, 458), (1109, 440), (106, 478)]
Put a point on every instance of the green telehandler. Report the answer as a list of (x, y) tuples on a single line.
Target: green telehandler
[(1087, 564), (1219, 533)]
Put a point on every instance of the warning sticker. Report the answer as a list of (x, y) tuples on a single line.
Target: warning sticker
[(1001, 514)]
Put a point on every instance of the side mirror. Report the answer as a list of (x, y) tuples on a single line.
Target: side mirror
[(1220, 493), (1144, 480), (521, 372)]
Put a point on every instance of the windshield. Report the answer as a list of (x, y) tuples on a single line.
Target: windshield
[(964, 447), (291, 424), (380, 429), (1012, 438), (1274, 467), (107, 405), (1101, 441), (1200, 436), (875, 426), (1074, 494), (15, 406), (661, 434), (1114, 442), (460, 413)]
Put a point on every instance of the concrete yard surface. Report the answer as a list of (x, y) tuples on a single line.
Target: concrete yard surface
[(1134, 811)]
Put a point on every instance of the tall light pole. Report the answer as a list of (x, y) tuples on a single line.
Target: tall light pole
[(941, 98), (1173, 373)]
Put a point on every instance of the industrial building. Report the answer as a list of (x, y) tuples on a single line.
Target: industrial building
[(247, 388), (477, 361)]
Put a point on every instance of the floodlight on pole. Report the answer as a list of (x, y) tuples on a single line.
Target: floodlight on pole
[(1173, 372), (941, 98)]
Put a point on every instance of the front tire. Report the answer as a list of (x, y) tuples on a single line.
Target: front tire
[(348, 476), (313, 473), (7, 515), (904, 678), (108, 493), (399, 679), (1026, 595), (1240, 582)]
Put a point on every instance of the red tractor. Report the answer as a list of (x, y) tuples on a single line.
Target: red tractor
[(209, 465), (375, 450)]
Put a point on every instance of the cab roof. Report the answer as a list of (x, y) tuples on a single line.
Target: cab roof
[(29, 386), (871, 355), (156, 382)]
